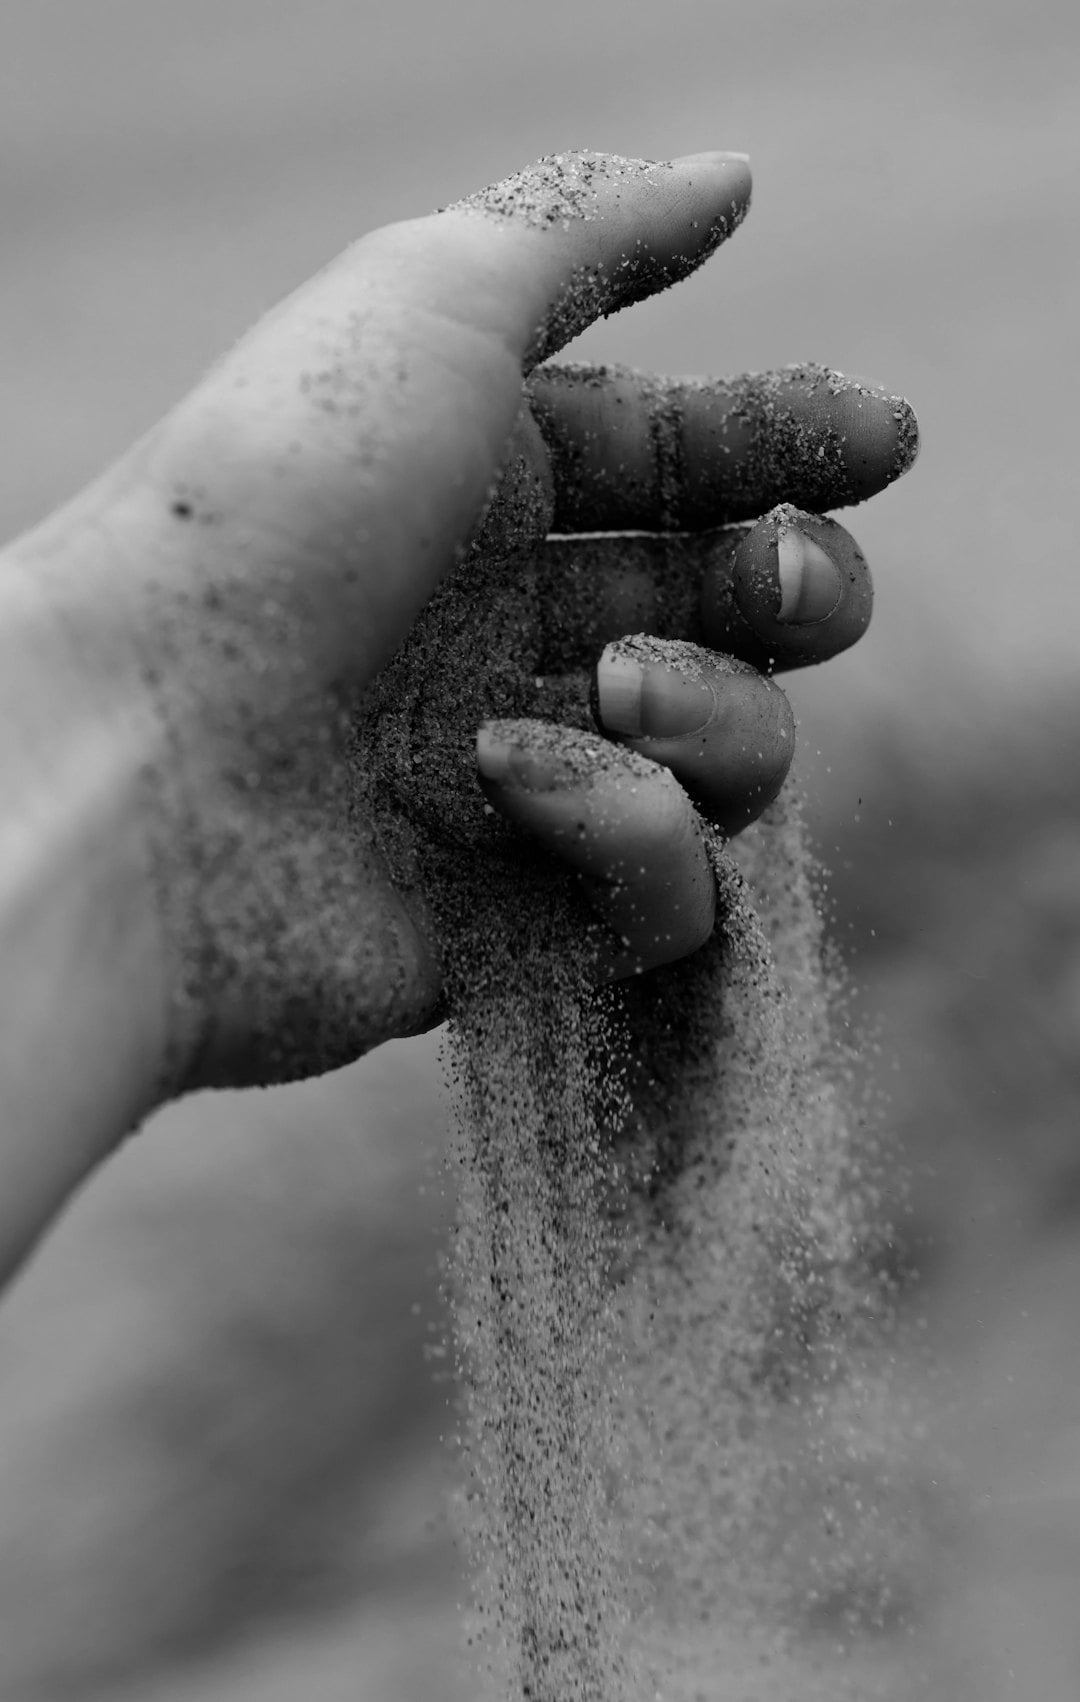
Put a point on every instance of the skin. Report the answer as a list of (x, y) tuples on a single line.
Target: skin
[(331, 526)]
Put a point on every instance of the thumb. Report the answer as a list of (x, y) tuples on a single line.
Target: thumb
[(340, 456), (598, 232)]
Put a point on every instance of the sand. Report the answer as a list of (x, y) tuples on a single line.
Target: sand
[(660, 1281), (665, 1303), (663, 1276), (565, 187)]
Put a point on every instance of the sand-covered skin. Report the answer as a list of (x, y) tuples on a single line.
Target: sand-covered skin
[(553, 190), (767, 433), (561, 188)]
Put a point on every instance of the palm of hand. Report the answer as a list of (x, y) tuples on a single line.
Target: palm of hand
[(336, 745)]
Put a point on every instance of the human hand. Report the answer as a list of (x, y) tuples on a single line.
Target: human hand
[(267, 549)]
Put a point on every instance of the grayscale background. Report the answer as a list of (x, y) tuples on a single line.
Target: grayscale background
[(220, 1472)]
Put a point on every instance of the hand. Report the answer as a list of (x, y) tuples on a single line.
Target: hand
[(264, 553), (228, 605)]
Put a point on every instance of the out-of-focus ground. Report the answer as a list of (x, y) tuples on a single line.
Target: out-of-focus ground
[(219, 1463)]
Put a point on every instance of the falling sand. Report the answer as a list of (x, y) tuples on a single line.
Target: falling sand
[(666, 1312), (663, 1294)]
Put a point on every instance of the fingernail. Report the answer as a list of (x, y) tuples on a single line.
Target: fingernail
[(506, 762), (810, 582), (660, 702), (713, 157), (619, 679), (493, 755)]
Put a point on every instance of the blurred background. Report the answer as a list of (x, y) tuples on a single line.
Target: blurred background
[(220, 1470)]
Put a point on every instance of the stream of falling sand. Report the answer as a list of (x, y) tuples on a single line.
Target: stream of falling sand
[(664, 1301), (661, 1263)]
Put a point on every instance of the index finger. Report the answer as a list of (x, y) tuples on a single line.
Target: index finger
[(633, 451)]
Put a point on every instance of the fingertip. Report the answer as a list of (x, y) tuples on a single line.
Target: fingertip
[(550, 779), (810, 435), (731, 171), (725, 731), (907, 440), (717, 194), (799, 584), (623, 822), (880, 433), (540, 757)]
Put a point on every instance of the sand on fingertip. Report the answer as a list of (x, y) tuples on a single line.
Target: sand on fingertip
[(555, 189)]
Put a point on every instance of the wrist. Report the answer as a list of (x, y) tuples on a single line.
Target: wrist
[(84, 1009)]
